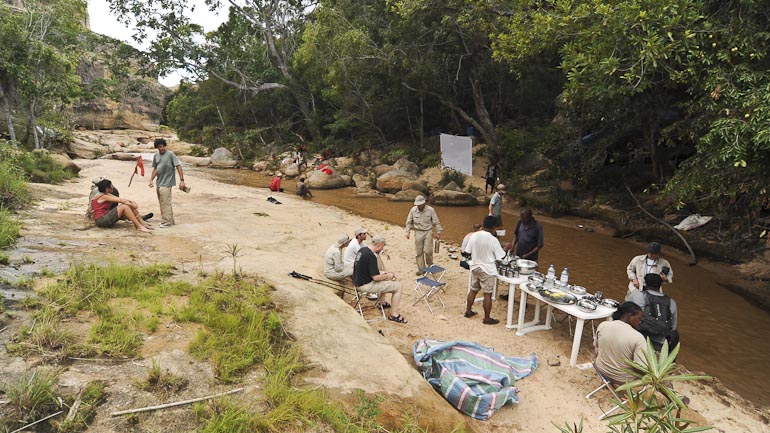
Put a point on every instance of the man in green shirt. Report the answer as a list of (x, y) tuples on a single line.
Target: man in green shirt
[(164, 164)]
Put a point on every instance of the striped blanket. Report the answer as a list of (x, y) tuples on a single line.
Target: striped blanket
[(476, 380)]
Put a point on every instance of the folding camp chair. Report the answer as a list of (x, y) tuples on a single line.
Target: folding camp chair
[(606, 383), (357, 294), (430, 285)]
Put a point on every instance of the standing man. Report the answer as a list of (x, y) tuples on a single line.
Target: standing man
[(334, 269), (660, 313), (368, 278), (649, 263), (491, 177), (484, 249), (528, 236), (350, 252), (496, 205), (422, 218), (163, 164)]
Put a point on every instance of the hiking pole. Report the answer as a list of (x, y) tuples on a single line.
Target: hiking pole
[(334, 286)]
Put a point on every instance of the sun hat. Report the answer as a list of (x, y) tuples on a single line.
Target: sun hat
[(379, 240), (653, 247), (360, 231), (342, 240), (653, 281), (419, 200), (501, 187), (279, 175), (96, 180)]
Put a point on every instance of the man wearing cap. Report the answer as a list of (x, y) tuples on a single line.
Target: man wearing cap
[(368, 278), (355, 244), (165, 165), (648, 263), (334, 268), (496, 205), (484, 249), (422, 218), (658, 306), (275, 184)]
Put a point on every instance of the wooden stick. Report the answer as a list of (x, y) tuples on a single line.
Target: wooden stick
[(178, 403), (693, 258), (74, 408), (38, 421), (1, 330)]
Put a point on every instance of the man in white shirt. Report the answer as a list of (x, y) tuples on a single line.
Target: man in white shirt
[(334, 268), (649, 263), (484, 249), (350, 252)]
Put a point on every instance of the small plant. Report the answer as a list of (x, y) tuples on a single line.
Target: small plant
[(46, 272), (163, 382), (29, 397), (62, 243), (196, 150), (234, 251), (9, 228), (152, 323), (90, 399), (65, 205), (455, 176), (27, 260), (5, 258)]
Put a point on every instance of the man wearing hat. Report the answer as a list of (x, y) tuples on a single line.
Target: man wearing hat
[(355, 244), (368, 278), (648, 263), (496, 205), (422, 219), (275, 184), (660, 312), (334, 268)]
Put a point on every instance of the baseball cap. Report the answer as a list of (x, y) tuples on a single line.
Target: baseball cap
[(342, 239), (653, 247), (419, 200), (96, 180), (653, 281), (359, 231), (379, 240)]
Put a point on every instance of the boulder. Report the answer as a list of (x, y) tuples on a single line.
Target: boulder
[(65, 161), (320, 180), (404, 164), (393, 181), (348, 180), (342, 162), (361, 181), (222, 158), (291, 170), (417, 185), (121, 156), (198, 161), (382, 169), (452, 186), (406, 195), (454, 198), (259, 166), (82, 149)]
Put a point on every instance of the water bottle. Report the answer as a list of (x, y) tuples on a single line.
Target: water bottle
[(551, 273), (564, 277)]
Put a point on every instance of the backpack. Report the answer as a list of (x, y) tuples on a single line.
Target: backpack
[(657, 316)]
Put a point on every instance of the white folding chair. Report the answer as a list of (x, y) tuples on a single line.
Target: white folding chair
[(606, 383), (430, 285), (357, 294)]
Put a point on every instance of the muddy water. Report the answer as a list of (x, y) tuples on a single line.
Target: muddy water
[(722, 334)]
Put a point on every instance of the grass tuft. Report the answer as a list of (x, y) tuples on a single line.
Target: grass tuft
[(162, 382), (29, 397)]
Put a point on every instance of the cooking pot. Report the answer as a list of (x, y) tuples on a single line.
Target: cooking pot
[(526, 267), (578, 290), (611, 303), (586, 305)]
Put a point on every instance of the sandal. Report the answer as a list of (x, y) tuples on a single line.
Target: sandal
[(397, 319), (384, 305), (470, 313)]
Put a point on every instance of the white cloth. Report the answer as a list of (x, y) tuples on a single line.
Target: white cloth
[(692, 222), (350, 253), (456, 153), (484, 249)]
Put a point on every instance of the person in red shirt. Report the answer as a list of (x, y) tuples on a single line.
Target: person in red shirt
[(106, 216), (275, 184)]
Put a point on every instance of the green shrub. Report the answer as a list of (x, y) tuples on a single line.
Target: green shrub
[(9, 228), (452, 176), (42, 168)]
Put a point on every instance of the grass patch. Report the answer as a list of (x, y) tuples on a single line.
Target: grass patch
[(5, 258), (42, 168), (92, 396), (162, 382), (30, 397), (9, 228)]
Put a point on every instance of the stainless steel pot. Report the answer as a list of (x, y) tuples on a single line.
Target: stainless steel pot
[(586, 305), (526, 267)]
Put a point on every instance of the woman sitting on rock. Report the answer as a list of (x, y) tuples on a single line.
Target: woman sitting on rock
[(104, 216)]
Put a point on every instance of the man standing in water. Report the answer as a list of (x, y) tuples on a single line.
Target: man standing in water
[(422, 218), (164, 164)]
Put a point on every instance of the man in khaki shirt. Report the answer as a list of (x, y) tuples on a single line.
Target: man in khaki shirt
[(617, 341), (422, 219)]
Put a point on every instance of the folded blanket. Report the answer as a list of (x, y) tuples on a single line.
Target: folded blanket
[(476, 380)]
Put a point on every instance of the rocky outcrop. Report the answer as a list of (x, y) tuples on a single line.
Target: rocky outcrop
[(404, 164), (63, 160), (259, 166), (198, 161), (417, 185), (81, 149), (291, 170), (393, 181), (454, 198), (382, 169), (222, 158), (407, 195), (361, 181), (320, 180)]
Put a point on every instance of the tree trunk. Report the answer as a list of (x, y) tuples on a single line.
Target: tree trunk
[(488, 131), (8, 116), (33, 124)]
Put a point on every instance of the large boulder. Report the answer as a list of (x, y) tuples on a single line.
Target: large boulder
[(361, 181), (63, 160), (404, 164), (417, 185), (320, 180), (342, 162), (393, 181), (259, 166), (452, 186), (406, 195), (454, 198), (222, 158), (198, 161), (291, 170), (382, 169), (121, 156), (81, 149)]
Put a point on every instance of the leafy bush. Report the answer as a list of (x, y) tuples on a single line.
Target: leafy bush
[(42, 168), (9, 228), (452, 176)]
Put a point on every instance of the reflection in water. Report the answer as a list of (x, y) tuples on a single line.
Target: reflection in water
[(722, 334)]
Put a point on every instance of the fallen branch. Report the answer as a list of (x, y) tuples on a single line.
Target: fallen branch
[(2, 330), (693, 258), (178, 403), (36, 422), (74, 408)]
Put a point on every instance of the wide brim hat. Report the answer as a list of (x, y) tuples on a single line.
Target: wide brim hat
[(419, 200)]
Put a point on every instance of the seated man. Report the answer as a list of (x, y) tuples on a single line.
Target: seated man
[(660, 313), (355, 244), (302, 189), (334, 269), (275, 184), (619, 340), (368, 278), (105, 215)]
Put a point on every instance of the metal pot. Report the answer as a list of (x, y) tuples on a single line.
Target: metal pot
[(587, 306), (611, 303), (526, 267), (578, 290)]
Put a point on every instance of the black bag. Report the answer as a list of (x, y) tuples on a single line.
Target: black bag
[(464, 264), (657, 316)]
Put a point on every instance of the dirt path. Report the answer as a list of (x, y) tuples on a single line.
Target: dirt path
[(348, 354)]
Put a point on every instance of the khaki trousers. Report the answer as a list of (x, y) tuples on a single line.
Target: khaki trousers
[(164, 199), (423, 246)]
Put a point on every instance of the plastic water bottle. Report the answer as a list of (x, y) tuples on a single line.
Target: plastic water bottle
[(564, 277), (551, 273)]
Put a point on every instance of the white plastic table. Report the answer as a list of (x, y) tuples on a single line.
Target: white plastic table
[(512, 283), (602, 312)]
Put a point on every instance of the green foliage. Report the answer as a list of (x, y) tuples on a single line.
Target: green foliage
[(162, 381), (13, 189), (9, 228), (30, 397), (42, 168), (450, 175), (90, 399)]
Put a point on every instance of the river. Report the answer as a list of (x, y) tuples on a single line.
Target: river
[(722, 333)]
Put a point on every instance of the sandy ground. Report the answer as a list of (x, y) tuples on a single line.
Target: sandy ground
[(348, 353)]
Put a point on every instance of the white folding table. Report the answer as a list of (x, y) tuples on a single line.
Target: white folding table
[(602, 312)]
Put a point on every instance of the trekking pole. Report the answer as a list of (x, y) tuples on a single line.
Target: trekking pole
[(329, 284)]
